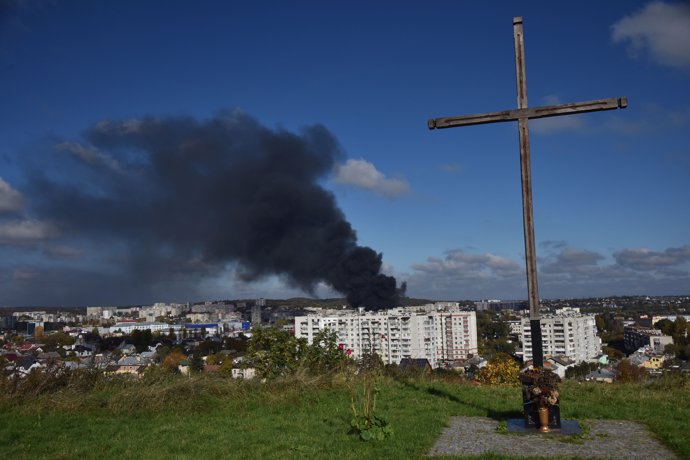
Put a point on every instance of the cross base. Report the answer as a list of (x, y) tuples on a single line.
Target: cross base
[(531, 412), (568, 427)]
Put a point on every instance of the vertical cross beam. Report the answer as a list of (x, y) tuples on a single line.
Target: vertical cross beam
[(527, 214)]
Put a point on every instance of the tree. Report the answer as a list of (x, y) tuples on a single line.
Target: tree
[(161, 353), (141, 339), (665, 326), (580, 370), (679, 326), (196, 364), (493, 333), (324, 354), (669, 349), (612, 330), (173, 359), (275, 352), (628, 372), (57, 339), (613, 353), (208, 347), (238, 344)]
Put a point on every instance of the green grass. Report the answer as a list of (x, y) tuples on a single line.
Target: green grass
[(211, 417)]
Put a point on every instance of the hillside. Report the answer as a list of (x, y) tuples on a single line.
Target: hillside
[(209, 416)]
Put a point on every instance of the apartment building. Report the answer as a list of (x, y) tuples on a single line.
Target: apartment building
[(640, 337), (567, 333), (442, 337)]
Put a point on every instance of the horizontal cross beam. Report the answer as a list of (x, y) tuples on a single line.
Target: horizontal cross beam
[(531, 112)]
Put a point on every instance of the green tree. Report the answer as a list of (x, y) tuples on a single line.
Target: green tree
[(680, 326), (57, 339), (580, 370), (669, 349), (613, 353), (196, 364), (208, 347), (665, 326), (161, 353), (238, 344), (275, 352), (141, 339), (493, 333), (324, 354)]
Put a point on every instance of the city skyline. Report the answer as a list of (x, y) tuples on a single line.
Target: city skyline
[(88, 86)]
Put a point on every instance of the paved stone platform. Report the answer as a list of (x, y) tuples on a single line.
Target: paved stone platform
[(611, 439)]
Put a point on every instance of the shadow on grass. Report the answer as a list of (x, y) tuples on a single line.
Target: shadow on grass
[(498, 415)]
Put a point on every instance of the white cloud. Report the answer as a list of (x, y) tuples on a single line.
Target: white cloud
[(661, 29), (10, 199), (90, 155), (460, 265), (570, 260), (460, 261), (466, 276), (363, 174), (564, 272), (644, 259), (26, 231)]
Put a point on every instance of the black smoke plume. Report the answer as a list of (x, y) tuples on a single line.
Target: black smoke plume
[(175, 190)]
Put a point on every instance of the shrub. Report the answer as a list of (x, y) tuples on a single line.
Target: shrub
[(500, 370)]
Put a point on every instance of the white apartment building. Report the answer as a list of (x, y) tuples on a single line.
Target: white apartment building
[(439, 336), (567, 333)]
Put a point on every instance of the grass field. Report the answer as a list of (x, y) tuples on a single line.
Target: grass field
[(212, 417)]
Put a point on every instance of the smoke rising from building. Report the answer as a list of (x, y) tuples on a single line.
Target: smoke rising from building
[(189, 195)]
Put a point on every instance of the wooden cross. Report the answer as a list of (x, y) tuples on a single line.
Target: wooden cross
[(522, 114)]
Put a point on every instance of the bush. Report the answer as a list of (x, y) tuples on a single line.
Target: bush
[(628, 372), (500, 370)]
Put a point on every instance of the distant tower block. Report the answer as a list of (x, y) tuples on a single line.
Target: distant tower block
[(256, 311)]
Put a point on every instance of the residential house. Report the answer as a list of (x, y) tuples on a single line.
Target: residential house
[(654, 362), (601, 375), (559, 364)]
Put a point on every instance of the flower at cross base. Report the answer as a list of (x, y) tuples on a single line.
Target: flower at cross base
[(542, 386)]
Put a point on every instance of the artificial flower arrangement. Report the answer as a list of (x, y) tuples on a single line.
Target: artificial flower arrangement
[(541, 386)]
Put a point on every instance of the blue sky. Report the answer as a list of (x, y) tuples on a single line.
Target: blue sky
[(443, 207)]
